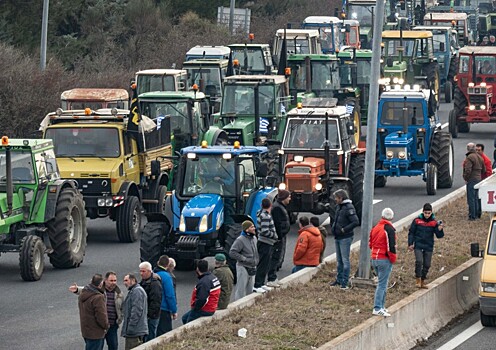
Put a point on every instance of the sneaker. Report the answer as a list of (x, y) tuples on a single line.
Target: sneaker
[(273, 284), (381, 312), (345, 287), (259, 290), (267, 288), (334, 284)]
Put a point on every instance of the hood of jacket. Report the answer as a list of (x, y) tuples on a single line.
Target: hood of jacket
[(311, 229), (88, 292)]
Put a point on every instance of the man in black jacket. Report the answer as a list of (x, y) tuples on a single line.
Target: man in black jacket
[(345, 221), (152, 285), (281, 222)]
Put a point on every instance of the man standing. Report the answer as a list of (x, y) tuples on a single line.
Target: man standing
[(226, 279), (345, 221), (382, 244), (114, 299), (135, 324), (487, 162), (421, 240), (153, 287), (473, 168), (282, 224), (205, 296), (93, 314), (168, 308), (308, 247), (244, 251), (267, 236)]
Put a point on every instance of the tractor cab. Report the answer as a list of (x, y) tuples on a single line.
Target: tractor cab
[(81, 98), (459, 21), (252, 59), (206, 51), (335, 34), (298, 41), (161, 80)]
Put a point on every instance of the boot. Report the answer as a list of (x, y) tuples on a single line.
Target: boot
[(423, 284), (418, 282)]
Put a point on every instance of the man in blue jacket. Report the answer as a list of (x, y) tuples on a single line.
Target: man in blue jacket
[(168, 308), (421, 240)]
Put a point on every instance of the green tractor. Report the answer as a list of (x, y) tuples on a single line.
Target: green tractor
[(39, 212)]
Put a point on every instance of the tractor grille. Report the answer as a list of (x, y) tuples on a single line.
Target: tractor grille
[(101, 175), (477, 99), (192, 224), (234, 135), (298, 170), (94, 186), (300, 185)]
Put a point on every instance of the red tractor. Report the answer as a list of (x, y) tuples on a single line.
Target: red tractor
[(476, 79)]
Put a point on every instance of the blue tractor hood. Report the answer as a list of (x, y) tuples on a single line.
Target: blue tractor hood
[(396, 140), (203, 214)]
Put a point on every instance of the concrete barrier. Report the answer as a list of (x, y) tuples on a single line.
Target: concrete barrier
[(304, 276)]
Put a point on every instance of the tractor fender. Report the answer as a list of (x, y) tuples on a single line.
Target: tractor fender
[(172, 212), (214, 134), (161, 180), (255, 201), (54, 190)]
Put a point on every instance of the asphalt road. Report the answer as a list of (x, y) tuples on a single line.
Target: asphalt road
[(44, 315)]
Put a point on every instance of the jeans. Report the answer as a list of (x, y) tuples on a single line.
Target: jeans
[(265, 255), (297, 268), (192, 315), (422, 263), (112, 338), (94, 344), (277, 256), (165, 323), (152, 329), (383, 268), (244, 284), (343, 247), (472, 200)]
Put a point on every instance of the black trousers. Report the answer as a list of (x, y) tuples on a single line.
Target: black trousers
[(265, 256), (165, 322), (277, 254), (422, 263)]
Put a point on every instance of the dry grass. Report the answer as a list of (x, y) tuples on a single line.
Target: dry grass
[(305, 317)]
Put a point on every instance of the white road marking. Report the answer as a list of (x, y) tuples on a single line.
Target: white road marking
[(328, 220), (462, 337)]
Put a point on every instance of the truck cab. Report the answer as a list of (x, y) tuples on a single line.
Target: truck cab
[(161, 80), (81, 98)]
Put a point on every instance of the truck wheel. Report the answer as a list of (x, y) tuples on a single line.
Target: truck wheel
[(357, 167), (453, 126), (129, 220), (67, 231), (431, 179), (487, 321), (448, 91), (151, 241), (32, 258), (332, 205), (442, 156), (162, 197)]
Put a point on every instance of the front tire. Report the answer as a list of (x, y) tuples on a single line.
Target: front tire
[(442, 156), (487, 321), (32, 258), (129, 220), (357, 167), (151, 241)]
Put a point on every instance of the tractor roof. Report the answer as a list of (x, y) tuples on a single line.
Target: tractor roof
[(206, 62), (478, 50), (407, 34), (434, 28), (209, 50), (274, 79), (293, 33), (224, 149), (351, 22), (318, 112), (34, 144), (93, 94), (172, 95), (313, 57), (400, 94), (161, 72), (250, 46), (323, 20), (360, 53), (446, 16)]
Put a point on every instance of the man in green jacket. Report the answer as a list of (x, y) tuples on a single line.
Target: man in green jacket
[(226, 279)]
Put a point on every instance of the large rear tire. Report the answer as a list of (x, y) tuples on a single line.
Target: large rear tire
[(453, 126), (67, 231), (442, 156), (162, 198), (431, 179), (151, 241), (448, 91), (356, 117), (460, 104), (357, 168), (129, 220), (32, 258)]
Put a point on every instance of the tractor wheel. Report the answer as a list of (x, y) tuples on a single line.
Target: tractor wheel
[(431, 179), (338, 185), (293, 217), (32, 258), (129, 220), (460, 104), (67, 231), (162, 198), (487, 321), (272, 164), (448, 91), (453, 126), (356, 117), (453, 70), (151, 240), (432, 73), (379, 180), (442, 156), (464, 127), (357, 168)]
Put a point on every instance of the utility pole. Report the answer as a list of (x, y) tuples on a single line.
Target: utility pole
[(44, 28), (231, 16), (368, 186)]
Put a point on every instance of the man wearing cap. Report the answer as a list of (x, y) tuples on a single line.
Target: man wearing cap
[(282, 224), (244, 251), (226, 279)]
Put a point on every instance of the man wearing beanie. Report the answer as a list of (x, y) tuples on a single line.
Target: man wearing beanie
[(226, 279), (421, 241), (281, 222), (244, 251)]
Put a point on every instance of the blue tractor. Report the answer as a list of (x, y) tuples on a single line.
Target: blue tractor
[(410, 141), (218, 188)]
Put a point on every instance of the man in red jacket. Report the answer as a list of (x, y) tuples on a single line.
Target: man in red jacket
[(308, 247), (487, 162), (382, 243)]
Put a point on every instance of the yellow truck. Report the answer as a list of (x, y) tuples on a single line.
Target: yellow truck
[(120, 173), (487, 289)]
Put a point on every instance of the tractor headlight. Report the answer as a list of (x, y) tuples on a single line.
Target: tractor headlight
[(488, 287), (203, 224), (109, 202), (401, 81), (483, 84), (402, 155), (101, 202), (395, 80), (470, 84), (318, 186), (389, 154), (483, 107), (282, 186), (471, 107), (182, 225)]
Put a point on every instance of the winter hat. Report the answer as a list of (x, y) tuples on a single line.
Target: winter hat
[(246, 225), (283, 194), (427, 207), (220, 257)]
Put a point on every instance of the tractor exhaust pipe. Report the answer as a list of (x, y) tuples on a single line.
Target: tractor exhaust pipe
[(257, 115), (474, 69), (8, 174), (405, 116), (308, 73), (327, 158)]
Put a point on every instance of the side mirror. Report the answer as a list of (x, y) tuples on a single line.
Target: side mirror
[(51, 164), (475, 252), (389, 61), (347, 28), (441, 47), (205, 108), (262, 170)]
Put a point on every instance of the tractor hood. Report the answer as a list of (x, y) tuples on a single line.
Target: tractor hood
[(398, 140), (202, 214)]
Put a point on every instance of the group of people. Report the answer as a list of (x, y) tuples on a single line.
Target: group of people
[(488, 41)]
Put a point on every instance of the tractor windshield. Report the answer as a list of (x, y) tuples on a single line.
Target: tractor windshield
[(306, 133), (211, 77), (178, 110), (156, 82), (250, 59), (364, 69), (363, 13), (392, 46), (85, 142), (438, 38), (22, 167), (240, 99), (209, 173), (325, 77), (393, 113)]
